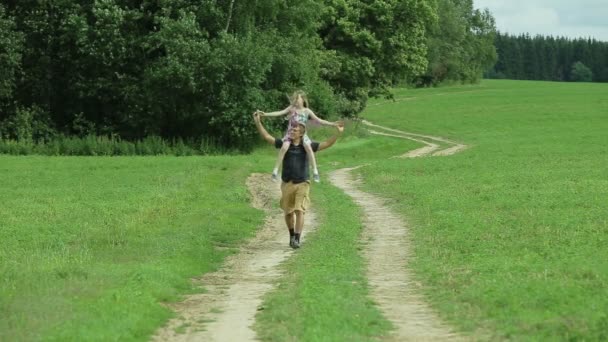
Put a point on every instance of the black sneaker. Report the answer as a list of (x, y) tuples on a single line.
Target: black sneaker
[(292, 241)]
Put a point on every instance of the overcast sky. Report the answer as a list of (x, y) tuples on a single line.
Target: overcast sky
[(569, 18)]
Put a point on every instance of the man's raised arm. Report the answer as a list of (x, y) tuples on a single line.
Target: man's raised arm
[(261, 129), (332, 140)]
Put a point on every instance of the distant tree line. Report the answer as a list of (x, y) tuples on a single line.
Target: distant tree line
[(196, 69), (524, 57)]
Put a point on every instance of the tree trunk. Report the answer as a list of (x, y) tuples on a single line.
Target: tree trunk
[(229, 15)]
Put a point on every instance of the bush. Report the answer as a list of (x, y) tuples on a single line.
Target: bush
[(52, 148), (92, 145), (14, 147), (28, 124), (581, 73), (124, 148)]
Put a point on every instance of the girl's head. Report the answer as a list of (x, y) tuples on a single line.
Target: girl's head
[(299, 99)]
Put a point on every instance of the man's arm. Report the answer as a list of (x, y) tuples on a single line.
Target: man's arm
[(261, 129), (332, 140)]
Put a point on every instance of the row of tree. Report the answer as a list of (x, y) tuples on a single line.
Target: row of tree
[(198, 68), (547, 58)]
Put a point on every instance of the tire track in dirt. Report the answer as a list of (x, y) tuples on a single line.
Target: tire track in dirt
[(226, 311), (420, 152), (387, 251), (435, 146)]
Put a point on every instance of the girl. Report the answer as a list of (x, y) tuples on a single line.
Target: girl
[(298, 113)]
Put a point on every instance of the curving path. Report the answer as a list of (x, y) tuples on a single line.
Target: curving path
[(387, 250), (435, 146), (226, 311)]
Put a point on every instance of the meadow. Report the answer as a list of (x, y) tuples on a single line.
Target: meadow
[(92, 245), (509, 235)]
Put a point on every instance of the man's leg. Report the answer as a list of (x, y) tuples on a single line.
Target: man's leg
[(301, 203), (299, 216), (287, 200), (290, 221)]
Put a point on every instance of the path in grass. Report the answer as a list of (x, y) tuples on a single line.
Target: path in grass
[(387, 249), (233, 294), (435, 146)]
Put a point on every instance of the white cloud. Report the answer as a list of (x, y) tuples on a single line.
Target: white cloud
[(532, 19), (574, 19)]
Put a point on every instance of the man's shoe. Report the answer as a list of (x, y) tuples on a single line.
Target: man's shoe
[(292, 241), (296, 244)]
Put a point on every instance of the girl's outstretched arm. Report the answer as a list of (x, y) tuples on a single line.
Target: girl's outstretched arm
[(277, 113), (321, 121)]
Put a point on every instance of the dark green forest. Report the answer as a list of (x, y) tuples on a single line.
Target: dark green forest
[(194, 70), (550, 59)]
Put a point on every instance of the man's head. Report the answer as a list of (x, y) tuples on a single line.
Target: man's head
[(297, 132)]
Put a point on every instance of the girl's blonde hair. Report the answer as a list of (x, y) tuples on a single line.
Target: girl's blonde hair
[(295, 95)]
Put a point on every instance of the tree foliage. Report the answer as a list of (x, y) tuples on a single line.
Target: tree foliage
[(581, 73), (461, 43), (373, 44), (11, 45), (196, 69)]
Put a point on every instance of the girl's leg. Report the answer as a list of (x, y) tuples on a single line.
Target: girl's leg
[(282, 151), (313, 162)]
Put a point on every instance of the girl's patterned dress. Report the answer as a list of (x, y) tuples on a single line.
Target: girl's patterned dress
[(295, 118)]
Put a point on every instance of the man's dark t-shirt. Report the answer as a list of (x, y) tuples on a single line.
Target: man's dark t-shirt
[(295, 162)]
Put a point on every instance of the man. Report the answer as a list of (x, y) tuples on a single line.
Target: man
[(295, 184)]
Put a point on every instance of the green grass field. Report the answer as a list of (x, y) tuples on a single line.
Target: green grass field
[(509, 235), (91, 245)]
